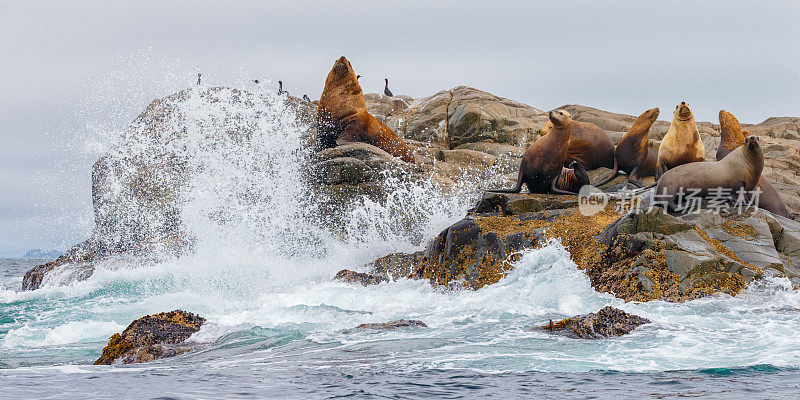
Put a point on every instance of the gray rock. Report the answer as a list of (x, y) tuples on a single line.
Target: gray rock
[(606, 323)]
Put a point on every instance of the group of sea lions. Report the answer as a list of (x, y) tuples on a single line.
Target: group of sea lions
[(557, 162)]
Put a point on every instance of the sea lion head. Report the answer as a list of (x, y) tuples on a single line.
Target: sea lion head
[(683, 112), (560, 118), (753, 144), (754, 153), (651, 115), (342, 70)]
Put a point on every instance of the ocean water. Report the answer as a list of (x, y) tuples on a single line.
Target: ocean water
[(278, 326)]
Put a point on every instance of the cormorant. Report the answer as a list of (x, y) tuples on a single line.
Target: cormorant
[(386, 90), (305, 97), (198, 78)]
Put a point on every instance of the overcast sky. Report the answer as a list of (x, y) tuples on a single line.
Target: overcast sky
[(73, 74)]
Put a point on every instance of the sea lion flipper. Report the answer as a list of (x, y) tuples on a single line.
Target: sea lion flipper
[(635, 178), (554, 188), (661, 168), (517, 188), (610, 177), (570, 180)]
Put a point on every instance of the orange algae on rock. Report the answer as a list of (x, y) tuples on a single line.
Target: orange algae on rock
[(151, 337)]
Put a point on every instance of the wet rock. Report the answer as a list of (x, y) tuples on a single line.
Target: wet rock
[(402, 323), (606, 323), (467, 254), (152, 337), (362, 278), (655, 255), (397, 265), (518, 203), (390, 267)]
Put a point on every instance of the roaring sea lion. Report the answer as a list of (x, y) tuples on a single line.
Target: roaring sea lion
[(542, 168), (633, 155), (741, 169), (342, 115), (682, 143), (588, 145), (731, 137)]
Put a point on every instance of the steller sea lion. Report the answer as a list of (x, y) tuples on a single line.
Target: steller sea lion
[(342, 115), (633, 155), (741, 169), (588, 145), (542, 167), (570, 180), (682, 142), (731, 137)]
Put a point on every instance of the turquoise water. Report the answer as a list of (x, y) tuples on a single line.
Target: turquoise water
[(294, 342)]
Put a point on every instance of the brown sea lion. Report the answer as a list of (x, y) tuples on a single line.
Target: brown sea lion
[(682, 143), (731, 137), (741, 169), (570, 180), (342, 115), (542, 168), (633, 155), (589, 145)]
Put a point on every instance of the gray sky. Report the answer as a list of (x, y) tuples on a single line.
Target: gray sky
[(74, 74)]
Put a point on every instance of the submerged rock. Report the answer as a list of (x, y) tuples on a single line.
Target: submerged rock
[(152, 337), (608, 322), (401, 323)]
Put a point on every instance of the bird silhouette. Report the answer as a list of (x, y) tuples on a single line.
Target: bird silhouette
[(386, 90), (198, 78), (305, 97), (358, 76)]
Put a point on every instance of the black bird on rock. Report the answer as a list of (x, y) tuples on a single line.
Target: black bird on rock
[(386, 90), (305, 97), (280, 88), (358, 76), (198, 78)]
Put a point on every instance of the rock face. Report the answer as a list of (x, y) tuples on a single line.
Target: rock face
[(152, 337), (465, 115), (654, 255), (606, 323)]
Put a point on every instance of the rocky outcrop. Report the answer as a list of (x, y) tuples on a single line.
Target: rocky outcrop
[(460, 135), (639, 256), (653, 255), (152, 337), (606, 323), (465, 115)]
